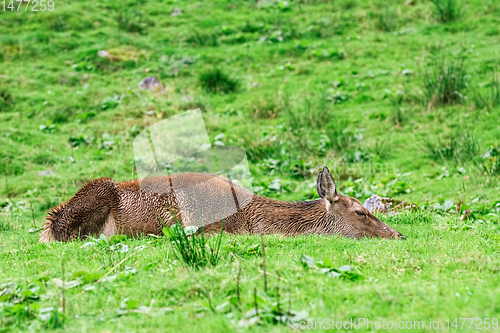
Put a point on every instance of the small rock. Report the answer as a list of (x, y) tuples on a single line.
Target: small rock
[(409, 3), (386, 205), (375, 204), (176, 12), (187, 98), (407, 72), (255, 84), (46, 173), (187, 60), (68, 62), (103, 54), (150, 83), (147, 70)]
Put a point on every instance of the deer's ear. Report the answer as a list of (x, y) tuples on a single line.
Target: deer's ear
[(326, 186)]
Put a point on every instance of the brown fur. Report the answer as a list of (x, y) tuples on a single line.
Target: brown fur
[(103, 206)]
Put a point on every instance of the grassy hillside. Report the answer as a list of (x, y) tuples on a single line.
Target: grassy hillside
[(398, 100)]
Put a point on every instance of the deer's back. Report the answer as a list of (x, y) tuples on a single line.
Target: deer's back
[(200, 198)]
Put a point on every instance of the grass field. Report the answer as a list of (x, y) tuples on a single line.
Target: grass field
[(398, 100)]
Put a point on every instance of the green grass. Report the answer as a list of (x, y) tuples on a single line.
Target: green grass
[(448, 10), (399, 101), (442, 271), (216, 81)]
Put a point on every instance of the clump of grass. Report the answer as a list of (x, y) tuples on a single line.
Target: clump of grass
[(396, 99), (44, 159), (457, 147), (192, 247), (304, 122), (267, 107), (445, 83), (491, 99), (312, 112), (214, 80), (387, 20), (208, 38), (58, 23), (339, 134), (11, 166), (489, 163), (60, 116), (381, 148), (6, 99), (133, 22), (448, 10), (4, 224), (191, 105)]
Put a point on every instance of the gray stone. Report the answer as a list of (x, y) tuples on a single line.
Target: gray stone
[(176, 12), (46, 173), (150, 83), (103, 53), (380, 204)]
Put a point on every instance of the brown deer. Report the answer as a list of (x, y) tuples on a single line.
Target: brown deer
[(103, 206)]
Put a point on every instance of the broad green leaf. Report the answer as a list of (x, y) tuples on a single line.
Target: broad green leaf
[(352, 276), (44, 278), (117, 239), (167, 232), (78, 274), (91, 277), (27, 293), (333, 274), (310, 262), (149, 266), (346, 268), (35, 306), (131, 303), (324, 270), (328, 263), (190, 229)]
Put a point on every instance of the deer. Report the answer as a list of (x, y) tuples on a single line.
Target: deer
[(135, 208)]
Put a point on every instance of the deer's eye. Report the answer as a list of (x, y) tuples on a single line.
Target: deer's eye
[(360, 213)]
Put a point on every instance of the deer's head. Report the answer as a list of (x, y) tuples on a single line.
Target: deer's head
[(347, 215)]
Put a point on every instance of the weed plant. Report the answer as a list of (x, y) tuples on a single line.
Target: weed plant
[(192, 246), (445, 82), (214, 80), (448, 10), (458, 147), (491, 98)]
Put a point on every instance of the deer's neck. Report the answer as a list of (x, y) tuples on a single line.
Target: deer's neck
[(290, 218)]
